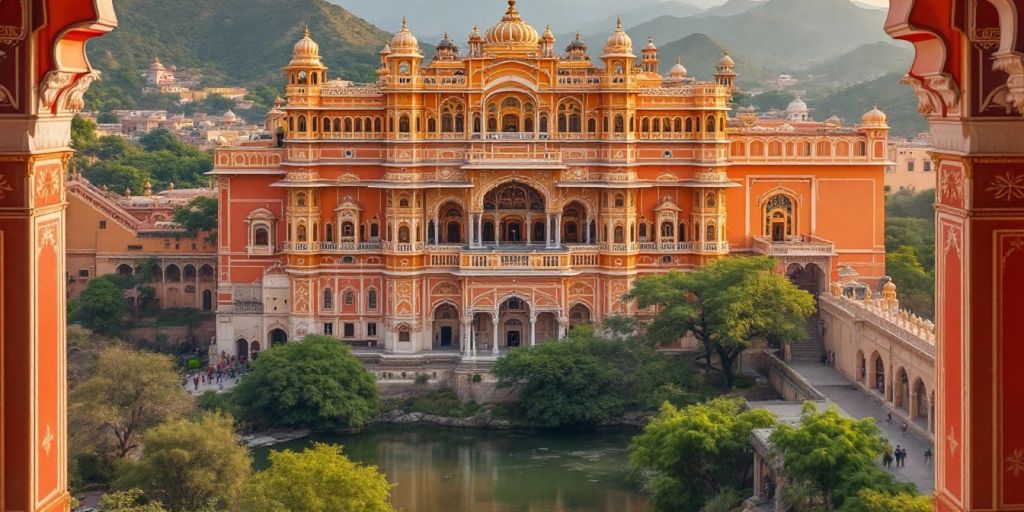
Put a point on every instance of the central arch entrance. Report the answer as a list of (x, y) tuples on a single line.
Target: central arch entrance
[(278, 336), (514, 214), (513, 319), (446, 328)]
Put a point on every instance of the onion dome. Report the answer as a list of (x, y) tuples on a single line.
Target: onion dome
[(650, 45), (619, 42), (549, 36), (156, 65), (577, 44), (889, 286), (726, 61), (874, 118), (474, 35), (386, 50), (678, 70), (147, 188), (447, 44), (279, 101), (229, 117), (512, 30), (305, 52), (403, 39)]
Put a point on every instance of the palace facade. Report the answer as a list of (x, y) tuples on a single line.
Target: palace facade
[(496, 195)]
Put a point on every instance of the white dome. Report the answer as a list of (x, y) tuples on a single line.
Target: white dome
[(678, 70), (797, 106)]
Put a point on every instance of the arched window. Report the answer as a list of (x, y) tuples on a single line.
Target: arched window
[(300, 199), (619, 124), (403, 235), (620, 200), (667, 229), (261, 237), (371, 299), (302, 123), (656, 125), (349, 297), (374, 231), (620, 235), (860, 148), (301, 232), (570, 117), (403, 202), (432, 125), (682, 231), (678, 125), (327, 125), (710, 233), (403, 124), (329, 232), (689, 125), (348, 230), (711, 124), (778, 217), (403, 68), (592, 125), (328, 301)]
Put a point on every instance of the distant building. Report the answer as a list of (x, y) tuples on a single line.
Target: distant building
[(158, 74), (910, 166), (110, 233), (783, 82)]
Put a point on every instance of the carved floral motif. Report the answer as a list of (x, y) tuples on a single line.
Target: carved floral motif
[(1007, 187)]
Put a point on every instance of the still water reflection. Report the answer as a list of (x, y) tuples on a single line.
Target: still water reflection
[(455, 470)]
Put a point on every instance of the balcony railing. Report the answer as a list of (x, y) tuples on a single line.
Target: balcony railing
[(800, 246), (248, 306), (498, 155)]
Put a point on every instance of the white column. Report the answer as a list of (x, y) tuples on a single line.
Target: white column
[(471, 230), (467, 327), (533, 330), (586, 229), (497, 228), (437, 231), (561, 327), (529, 227), (494, 345), (547, 230)]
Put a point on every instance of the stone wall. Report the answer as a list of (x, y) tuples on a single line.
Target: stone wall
[(886, 351)]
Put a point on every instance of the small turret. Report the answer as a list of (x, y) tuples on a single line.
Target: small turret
[(650, 56), (725, 73)]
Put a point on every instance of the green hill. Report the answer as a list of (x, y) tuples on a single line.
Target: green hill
[(897, 100), (863, 64), (237, 42), (701, 53), (788, 33)]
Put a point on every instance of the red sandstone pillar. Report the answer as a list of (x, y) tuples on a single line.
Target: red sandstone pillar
[(43, 75), (968, 74)]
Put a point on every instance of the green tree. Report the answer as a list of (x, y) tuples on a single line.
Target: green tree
[(915, 286), (83, 133), (694, 453), (190, 464), (84, 348), (111, 147), (129, 392), (132, 500), (872, 500), (832, 457), (199, 214), (162, 139), (319, 479), (916, 233), (101, 306), (116, 176), (725, 304), (584, 379), (908, 203), (315, 383)]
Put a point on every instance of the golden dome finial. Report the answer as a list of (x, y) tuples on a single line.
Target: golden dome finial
[(305, 29), (618, 22)]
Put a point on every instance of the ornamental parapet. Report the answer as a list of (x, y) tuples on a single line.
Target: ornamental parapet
[(917, 332), (800, 246)]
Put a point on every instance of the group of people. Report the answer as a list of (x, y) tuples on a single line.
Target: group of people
[(899, 456), (829, 359), (228, 368)]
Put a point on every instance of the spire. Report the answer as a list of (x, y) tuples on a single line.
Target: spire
[(618, 23), (404, 24), (305, 29)]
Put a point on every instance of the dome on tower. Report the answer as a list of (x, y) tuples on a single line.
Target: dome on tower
[(549, 36), (874, 117), (618, 42), (726, 61), (403, 40), (229, 117), (512, 30), (306, 46), (447, 44), (797, 106), (474, 35), (577, 44), (156, 65)]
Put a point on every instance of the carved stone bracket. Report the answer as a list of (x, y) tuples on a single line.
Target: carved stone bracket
[(63, 91), (1013, 65), (937, 94)]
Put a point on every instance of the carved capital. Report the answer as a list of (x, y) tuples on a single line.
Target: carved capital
[(63, 91), (1013, 65), (937, 94)]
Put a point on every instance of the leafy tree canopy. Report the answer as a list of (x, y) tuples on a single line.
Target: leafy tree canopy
[(694, 453), (872, 500), (132, 500), (83, 133), (585, 380), (318, 479), (726, 305), (130, 391), (915, 285), (315, 383), (199, 214), (190, 464), (101, 307)]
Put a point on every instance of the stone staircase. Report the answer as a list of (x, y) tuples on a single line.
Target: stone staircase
[(811, 350)]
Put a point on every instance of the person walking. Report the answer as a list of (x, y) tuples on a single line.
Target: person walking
[(898, 454), (928, 456), (887, 459)]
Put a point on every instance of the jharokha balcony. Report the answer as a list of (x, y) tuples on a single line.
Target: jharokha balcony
[(799, 246)]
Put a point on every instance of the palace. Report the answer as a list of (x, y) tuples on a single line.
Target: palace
[(493, 197)]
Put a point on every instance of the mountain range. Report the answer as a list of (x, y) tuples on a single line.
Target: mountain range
[(829, 45)]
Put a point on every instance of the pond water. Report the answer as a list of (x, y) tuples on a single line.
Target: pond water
[(455, 470)]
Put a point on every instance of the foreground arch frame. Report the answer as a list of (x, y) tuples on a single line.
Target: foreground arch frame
[(968, 75), (43, 77)]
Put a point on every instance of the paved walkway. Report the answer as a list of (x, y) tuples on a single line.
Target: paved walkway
[(226, 383), (859, 403)]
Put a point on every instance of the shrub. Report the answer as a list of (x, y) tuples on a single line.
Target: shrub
[(422, 378)]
